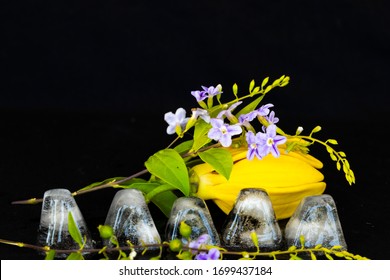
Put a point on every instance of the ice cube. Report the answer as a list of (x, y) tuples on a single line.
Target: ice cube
[(315, 219), (53, 228), (194, 212), (130, 218), (252, 212)]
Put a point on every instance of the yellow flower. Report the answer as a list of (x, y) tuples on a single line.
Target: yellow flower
[(286, 179)]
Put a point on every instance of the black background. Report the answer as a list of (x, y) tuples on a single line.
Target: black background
[(84, 88)]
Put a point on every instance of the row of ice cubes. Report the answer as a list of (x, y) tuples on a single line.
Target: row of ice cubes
[(315, 218)]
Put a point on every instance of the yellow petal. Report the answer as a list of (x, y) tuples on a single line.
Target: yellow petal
[(286, 179), (276, 172), (284, 200)]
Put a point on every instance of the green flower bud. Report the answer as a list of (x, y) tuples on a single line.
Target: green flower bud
[(186, 255), (184, 229), (105, 231), (175, 245)]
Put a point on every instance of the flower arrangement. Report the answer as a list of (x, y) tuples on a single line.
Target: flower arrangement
[(232, 145)]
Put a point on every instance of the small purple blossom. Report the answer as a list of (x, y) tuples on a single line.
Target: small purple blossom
[(223, 132), (201, 95), (262, 111), (175, 120), (271, 141), (262, 144), (199, 243), (201, 240), (201, 113), (212, 254), (271, 118), (254, 144), (212, 91), (228, 112)]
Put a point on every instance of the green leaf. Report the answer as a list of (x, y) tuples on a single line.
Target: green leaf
[(200, 135), (170, 167), (73, 230), (144, 187), (76, 256), (163, 201), (158, 190), (220, 159), (250, 107), (184, 146)]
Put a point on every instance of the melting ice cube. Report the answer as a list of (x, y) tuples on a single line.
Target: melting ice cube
[(130, 218), (252, 212), (194, 212), (317, 220), (53, 228)]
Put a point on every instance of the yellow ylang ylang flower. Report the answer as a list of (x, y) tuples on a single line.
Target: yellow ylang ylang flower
[(286, 179)]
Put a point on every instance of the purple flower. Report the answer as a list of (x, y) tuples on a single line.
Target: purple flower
[(228, 112), (271, 118), (246, 118), (254, 144), (200, 113), (269, 142), (212, 254), (212, 91), (201, 240), (201, 95), (262, 144), (262, 111), (176, 120), (223, 132)]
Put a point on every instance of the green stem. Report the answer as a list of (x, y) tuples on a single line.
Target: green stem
[(322, 143), (173, 142), (114, 183), (103, 186), (166, 244)]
